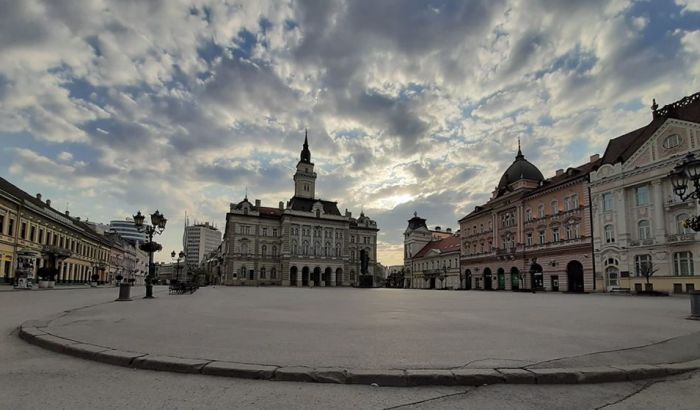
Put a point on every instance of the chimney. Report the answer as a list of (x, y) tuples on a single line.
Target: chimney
[(48, 202), (594, 158), (437, 228), (67, 213), (559, 172), (38, 196), (257, 203), (281, 205)]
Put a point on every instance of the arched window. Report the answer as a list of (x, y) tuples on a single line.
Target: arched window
[(244, 248), (262, 273), (294, 248), (274, 251), (327, 249), (609, 234), (337, 250), (613, 276), (644, 229), (305, 248), (273, 273), (680, 224), (264, 250)]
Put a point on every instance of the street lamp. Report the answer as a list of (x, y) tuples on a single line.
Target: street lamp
[(681, 177), (157, 226), (180, 255)]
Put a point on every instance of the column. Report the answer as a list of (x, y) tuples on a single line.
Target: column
[(299, 278), (658, 221)]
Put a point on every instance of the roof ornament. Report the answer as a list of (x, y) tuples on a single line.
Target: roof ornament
[(654, 105), (246, 193), (415, 214), (520, 153)]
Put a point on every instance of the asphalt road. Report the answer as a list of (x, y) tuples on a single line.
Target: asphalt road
[(33, 378)]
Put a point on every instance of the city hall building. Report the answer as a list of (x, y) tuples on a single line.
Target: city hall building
[(306, 241)]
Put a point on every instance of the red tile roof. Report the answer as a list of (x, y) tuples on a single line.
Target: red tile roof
[(450, 244)]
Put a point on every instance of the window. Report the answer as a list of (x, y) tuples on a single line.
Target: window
[(262, 273), (264, 231), (274, 250), (644, 229), (672, 141), (528, 214), (555, 234), (264, 250), (683, 263), (528, 239), (32, 233), (609, 234), (273, 273), (555, 207), (608, 204), (11, 227), (642, 195), (2, 224), (274, 232), (542, 238), (294, 247), (642, 265), (541, 211), (23, 230), (680, 224)]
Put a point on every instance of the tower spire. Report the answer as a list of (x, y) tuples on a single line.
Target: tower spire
[(520, 152), (305, 153)]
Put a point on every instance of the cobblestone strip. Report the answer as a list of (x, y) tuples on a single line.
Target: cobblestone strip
[(34, 332)]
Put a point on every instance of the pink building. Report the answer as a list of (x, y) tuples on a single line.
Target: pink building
[(534, 233)]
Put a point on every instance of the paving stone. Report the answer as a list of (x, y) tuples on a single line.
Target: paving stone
[(241, 370), (556, 376), (294, 374), (330, 375), (430, 377), (517, 376), (169, 364), (83, 350), (380, 377), (643, 371), (477, 377), (600, 374), (51, 342), (116, 357)]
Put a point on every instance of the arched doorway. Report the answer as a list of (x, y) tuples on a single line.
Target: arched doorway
[(327, 276), (501, 279), (514, 278), (316, 277), (487, 279), (293, 272), (536, 276), (574, 274), (305, 276), (339, 277), (432, 282), (468, 279)]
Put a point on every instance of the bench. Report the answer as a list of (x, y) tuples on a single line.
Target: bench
[(180, 288), (620, 290)]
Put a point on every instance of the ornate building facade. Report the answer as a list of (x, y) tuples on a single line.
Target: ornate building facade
[(637, 218), (305, 242), (534, 233), (431, 257)]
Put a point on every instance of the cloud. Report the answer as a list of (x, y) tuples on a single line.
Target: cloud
[(410, 105)]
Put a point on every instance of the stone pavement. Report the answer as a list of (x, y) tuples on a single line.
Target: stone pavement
[(387, 337)]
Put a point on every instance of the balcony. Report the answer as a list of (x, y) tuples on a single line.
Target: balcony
[(680, 238)]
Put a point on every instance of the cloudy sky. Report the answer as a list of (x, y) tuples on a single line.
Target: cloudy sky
[(107, 107)]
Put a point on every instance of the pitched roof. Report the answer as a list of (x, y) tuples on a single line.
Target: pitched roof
[(306, 204), (449, 244), (620, 149)]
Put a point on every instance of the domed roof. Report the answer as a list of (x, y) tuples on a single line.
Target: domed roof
[(519, 169)]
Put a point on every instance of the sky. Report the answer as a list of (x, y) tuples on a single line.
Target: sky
[(109, 107)]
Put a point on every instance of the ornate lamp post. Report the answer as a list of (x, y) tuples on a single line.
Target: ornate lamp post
[(685, 173), (180, 255), (157, 227)]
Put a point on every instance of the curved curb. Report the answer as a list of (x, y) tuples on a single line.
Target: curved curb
[(34, 332)]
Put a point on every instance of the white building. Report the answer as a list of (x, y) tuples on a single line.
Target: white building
[(306, 242), (127, 230), (198, 241), (637, 218)]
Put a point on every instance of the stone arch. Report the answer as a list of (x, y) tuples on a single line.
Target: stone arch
[(293, 272), (316, 276), (488, 285), (501, 275), (339, 277), (305, 276), (574, 276), (514, 278), (327, 273)]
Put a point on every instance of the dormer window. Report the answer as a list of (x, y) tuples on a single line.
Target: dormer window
[(672, 141)]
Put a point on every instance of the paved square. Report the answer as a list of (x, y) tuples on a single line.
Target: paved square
[(384, 328)]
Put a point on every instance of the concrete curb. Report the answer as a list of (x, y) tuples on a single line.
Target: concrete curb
[(35, 332)]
